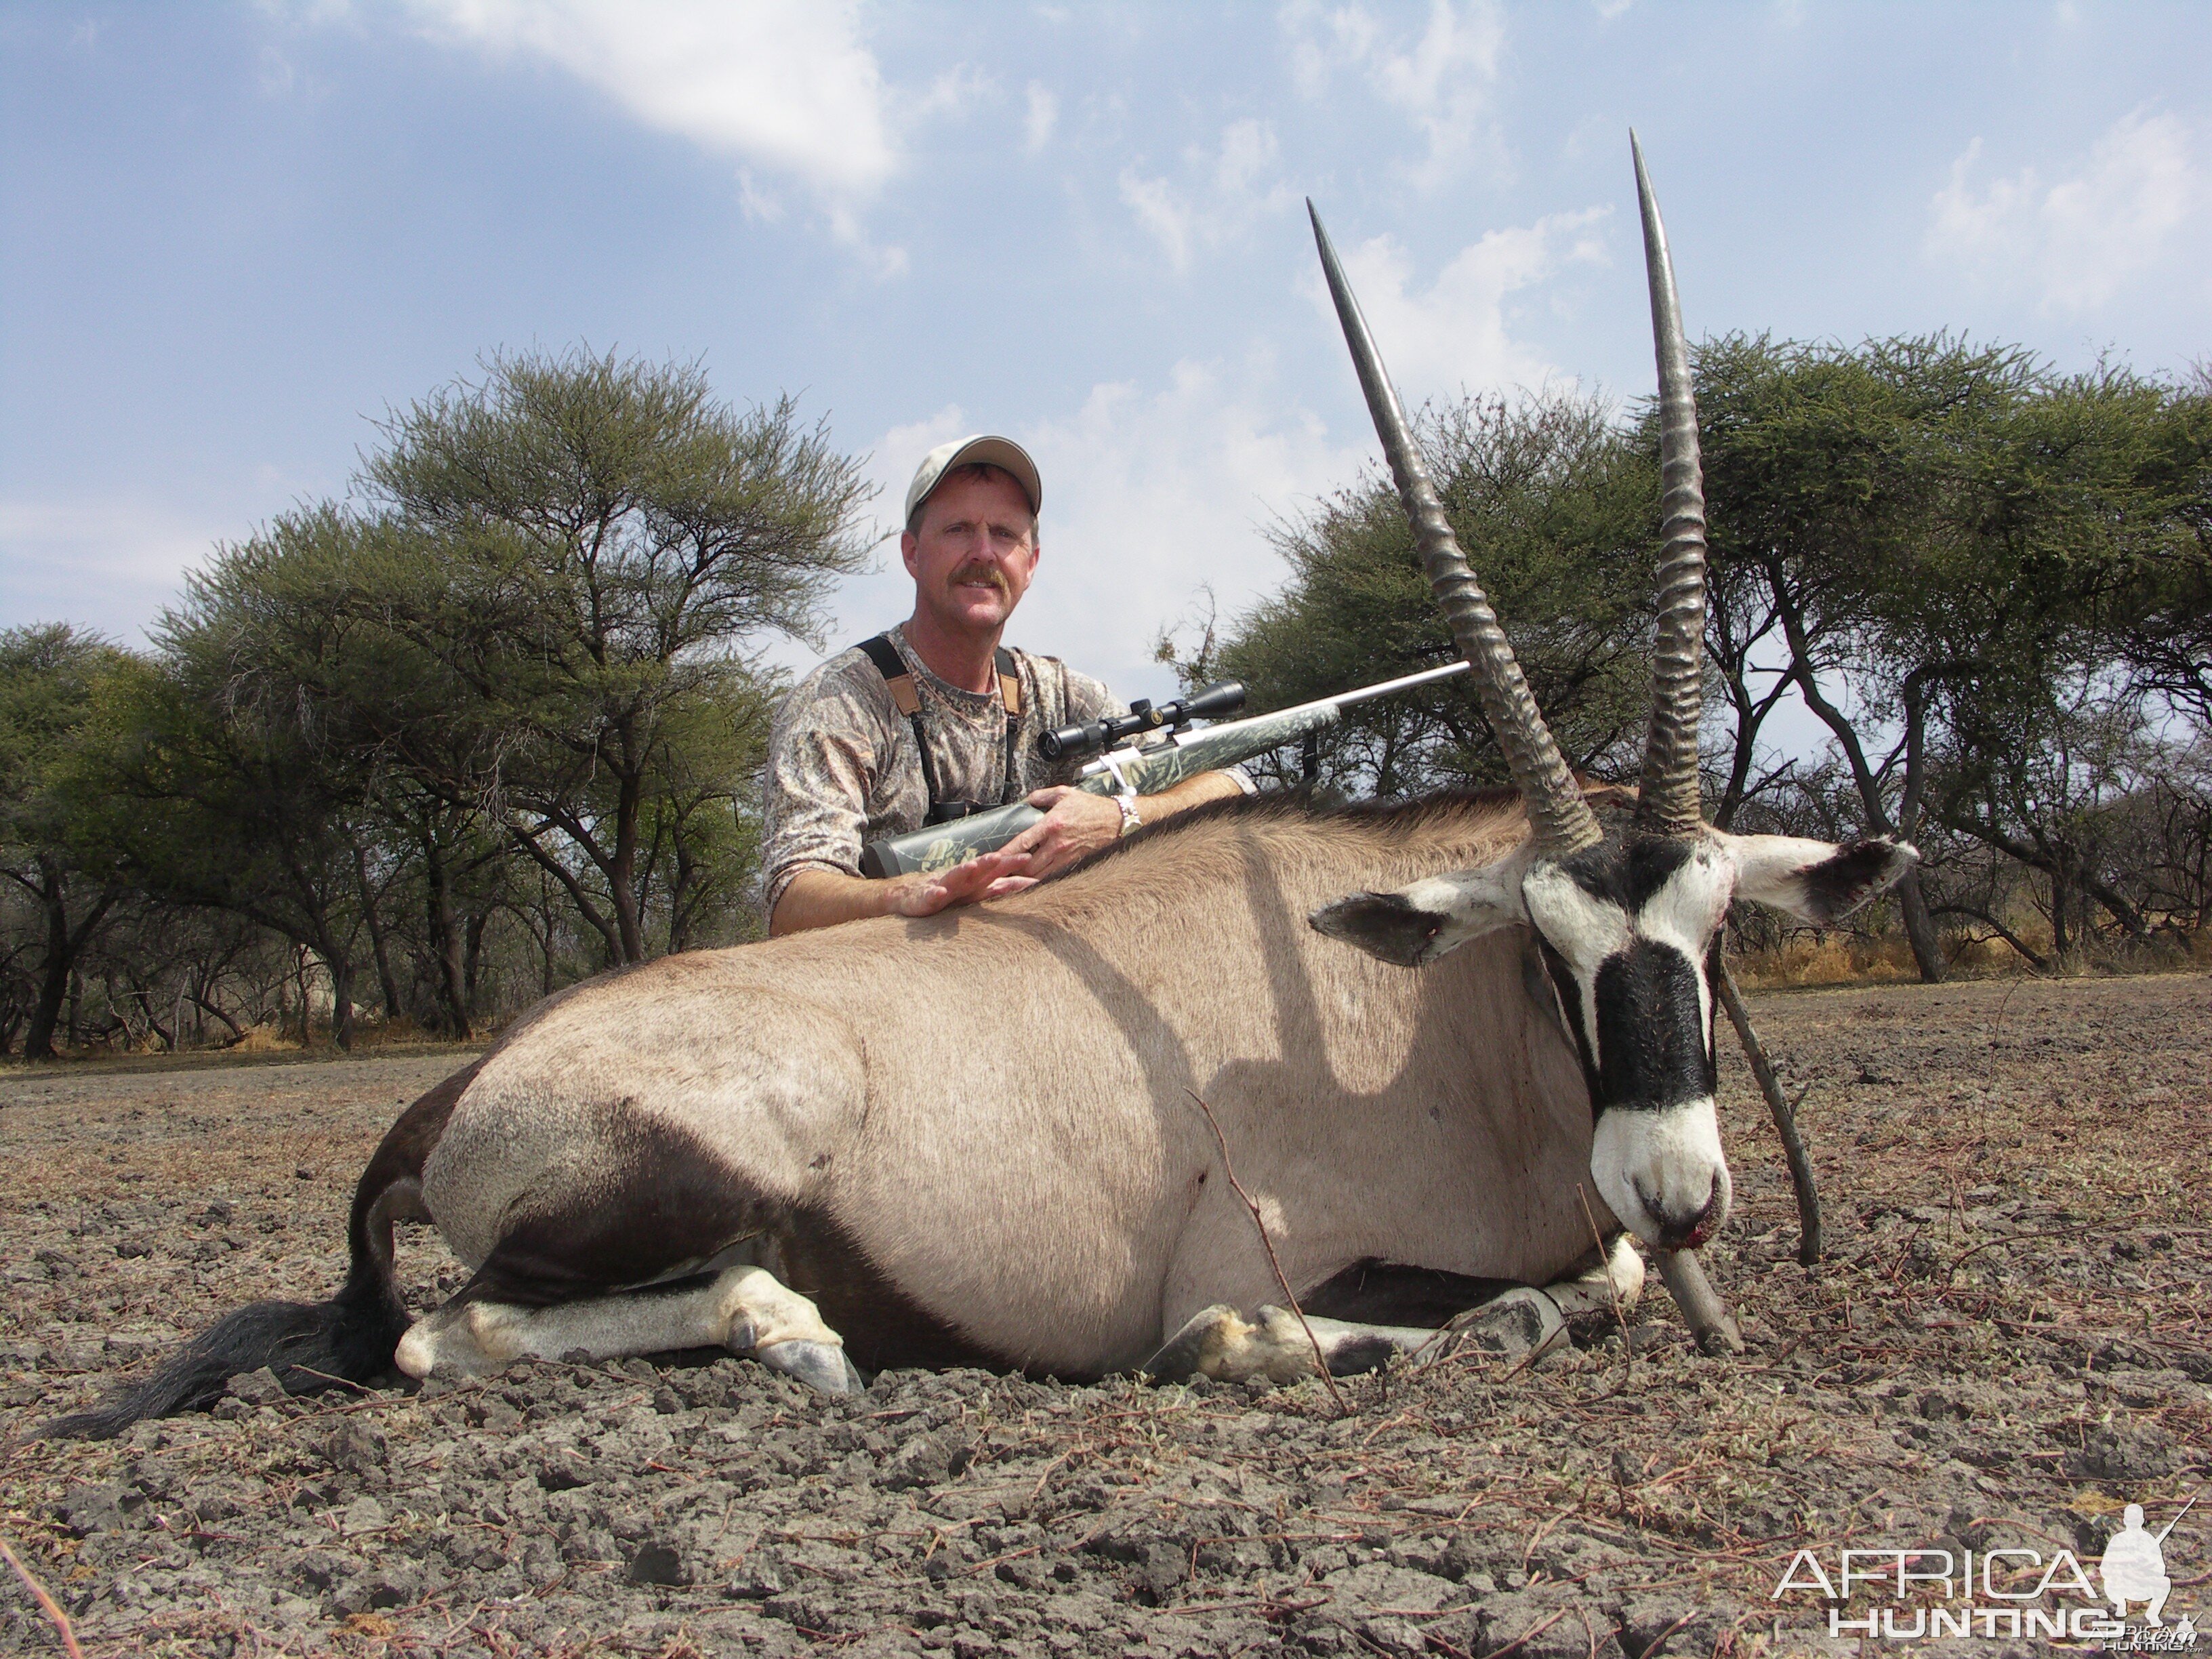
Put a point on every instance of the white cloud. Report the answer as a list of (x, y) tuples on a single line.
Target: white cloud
[(1163, 210), (2078, 239), (1154, 497), (1441, 80), (953, 92), (1221, 191), (1248, 150), (1323, 41), (774, 83), (784, 87), (1457, 334), (107, 566), (1044, 116), (892, 462), (758, 201)]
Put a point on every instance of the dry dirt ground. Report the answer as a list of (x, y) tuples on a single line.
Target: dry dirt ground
[(2006, 1344)]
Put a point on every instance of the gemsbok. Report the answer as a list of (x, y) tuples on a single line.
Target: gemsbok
[(976, 1139)]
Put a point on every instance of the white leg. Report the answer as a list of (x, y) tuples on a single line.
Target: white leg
[(1619, 1276), (1220, 1343), (746, 1309)]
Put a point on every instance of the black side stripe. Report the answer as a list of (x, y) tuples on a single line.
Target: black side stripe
[(1570, 1004)]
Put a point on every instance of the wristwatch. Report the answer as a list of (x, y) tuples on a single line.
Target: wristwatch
[(1130, 821)]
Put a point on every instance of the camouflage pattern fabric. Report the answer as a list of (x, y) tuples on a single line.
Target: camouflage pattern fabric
[(842, 770)]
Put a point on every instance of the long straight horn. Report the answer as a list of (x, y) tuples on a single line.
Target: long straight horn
[(1562, 821), (1667, 804)]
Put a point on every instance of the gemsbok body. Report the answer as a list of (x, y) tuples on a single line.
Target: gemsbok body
[(989, 1136)]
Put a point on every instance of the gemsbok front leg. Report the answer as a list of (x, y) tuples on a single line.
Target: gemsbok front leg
[(1220, 1343)]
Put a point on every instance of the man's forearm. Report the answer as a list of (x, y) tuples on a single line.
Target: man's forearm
[(816, 899)]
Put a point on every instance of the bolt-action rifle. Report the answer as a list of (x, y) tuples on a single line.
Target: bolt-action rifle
[(1130, 765)]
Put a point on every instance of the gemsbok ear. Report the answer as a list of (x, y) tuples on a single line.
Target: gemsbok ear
[(1816, 881), (1416, 925)]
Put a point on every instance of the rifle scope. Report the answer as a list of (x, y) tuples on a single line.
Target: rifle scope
[(1095, 737)]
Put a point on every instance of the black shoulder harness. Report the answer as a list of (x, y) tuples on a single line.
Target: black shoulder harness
[(906, 697)]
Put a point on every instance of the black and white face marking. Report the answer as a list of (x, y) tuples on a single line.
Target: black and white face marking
[(1627, 928)]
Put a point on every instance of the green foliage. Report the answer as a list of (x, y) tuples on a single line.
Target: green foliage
[(617, 515), (2166, 619), (1830, 472), (214, 788), (1926, 504), (2080, 530), (49, 674)]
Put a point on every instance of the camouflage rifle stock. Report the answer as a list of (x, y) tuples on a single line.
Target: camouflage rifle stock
[(1142, 771)]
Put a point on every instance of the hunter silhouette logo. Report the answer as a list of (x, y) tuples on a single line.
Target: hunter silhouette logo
[(2134, 1567)]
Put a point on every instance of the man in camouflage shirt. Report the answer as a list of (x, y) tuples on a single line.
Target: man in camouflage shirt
[(844, 769)]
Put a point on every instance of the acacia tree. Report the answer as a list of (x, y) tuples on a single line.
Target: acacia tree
[(2165, 624), (584, 545), (303, 606), (2040, 783), (702, 817), (2078, 501), (212, 789), (1838, 478), (1940, 548), (1557, 516), (1950, 555), (49, 675)]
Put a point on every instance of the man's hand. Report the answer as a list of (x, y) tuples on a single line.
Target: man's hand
[(986, 876), (1075, 823)]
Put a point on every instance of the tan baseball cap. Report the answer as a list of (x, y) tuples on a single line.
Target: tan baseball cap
[(977, 447)]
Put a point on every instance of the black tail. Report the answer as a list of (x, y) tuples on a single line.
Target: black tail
[(348, 1338), (310, 1346)]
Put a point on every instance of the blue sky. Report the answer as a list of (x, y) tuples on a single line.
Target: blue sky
[(232, 236)]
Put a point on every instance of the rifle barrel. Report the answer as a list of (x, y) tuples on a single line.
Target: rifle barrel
[(1328, 706), (1388, 686), (1363, 694), (2185, 1507)]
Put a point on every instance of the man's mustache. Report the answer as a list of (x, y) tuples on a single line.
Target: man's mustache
[(981, 574)]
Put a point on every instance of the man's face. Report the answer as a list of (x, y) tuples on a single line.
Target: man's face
[(975, 553)]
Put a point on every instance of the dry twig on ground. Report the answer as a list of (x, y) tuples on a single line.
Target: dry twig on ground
[(1785, 1121), (44, 1598), (1289, 1296)]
